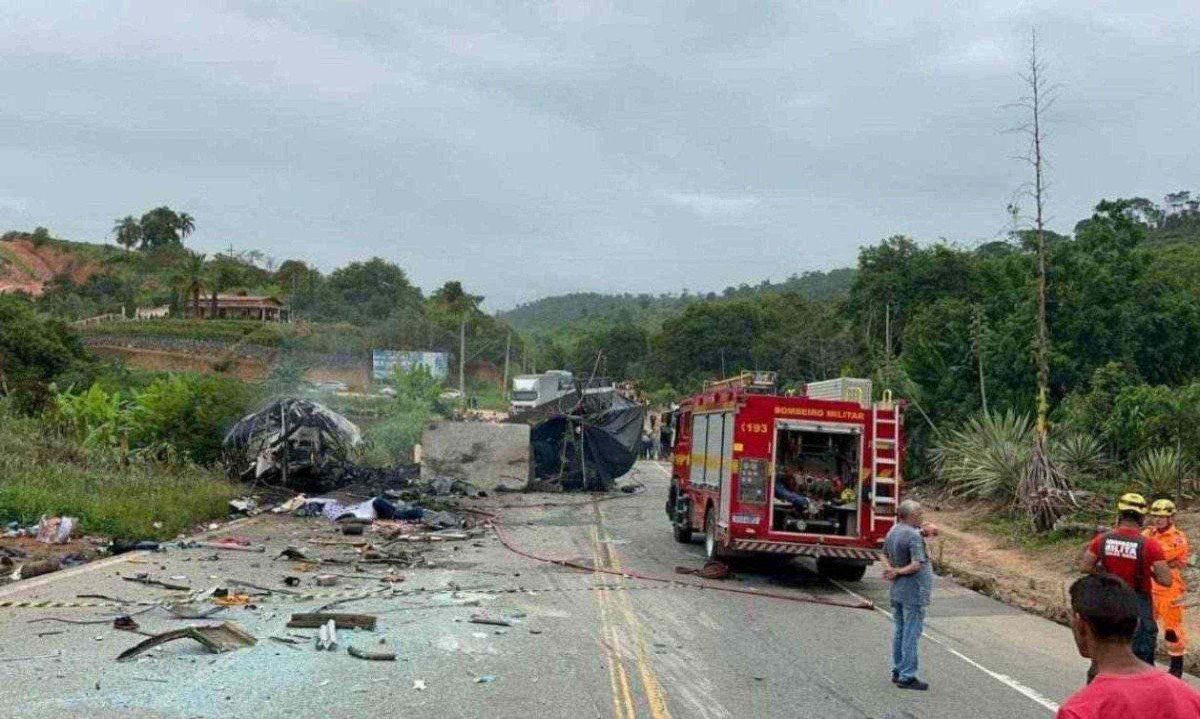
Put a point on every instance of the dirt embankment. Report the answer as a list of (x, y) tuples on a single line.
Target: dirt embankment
[(25, 267), (1035, 580)]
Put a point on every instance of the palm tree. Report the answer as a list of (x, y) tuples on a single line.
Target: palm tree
[(186, 224), (192, 277), (127, 232)]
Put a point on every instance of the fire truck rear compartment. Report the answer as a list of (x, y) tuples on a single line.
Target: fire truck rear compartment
[(819, 469)]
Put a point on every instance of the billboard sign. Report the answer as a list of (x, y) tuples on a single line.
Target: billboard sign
[(384, 363)]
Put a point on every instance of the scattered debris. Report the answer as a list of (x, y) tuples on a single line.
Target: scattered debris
[(327, 637), (291, 505), (37, 568), (228, 545), (120, 546), (343, 621), (326, 580), (352, 529), (144, 578), (225, 637), (246, 505), (485, 679), (710, 570), (232, 600), (419, 685), (483, 618), (292, 581), (55, 530), (297, 554), (378, 655), (262, 590), (291, 641), (192, 611), (125, 623)]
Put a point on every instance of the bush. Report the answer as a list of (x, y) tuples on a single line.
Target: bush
[(987, 457), (391, 440), (178, 417), (189, 413), (1162, 472)]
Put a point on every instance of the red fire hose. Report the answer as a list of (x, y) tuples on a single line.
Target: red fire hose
[(512, 547)]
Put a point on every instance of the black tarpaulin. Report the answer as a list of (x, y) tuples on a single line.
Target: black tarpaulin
[(590, 449)]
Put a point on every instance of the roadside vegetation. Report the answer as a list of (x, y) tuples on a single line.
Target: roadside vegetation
[(950, 327), (47, 473)]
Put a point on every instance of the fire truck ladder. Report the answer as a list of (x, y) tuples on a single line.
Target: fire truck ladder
[(885, 463)]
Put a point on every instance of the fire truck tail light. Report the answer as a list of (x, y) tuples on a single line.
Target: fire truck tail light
[(752, 481)]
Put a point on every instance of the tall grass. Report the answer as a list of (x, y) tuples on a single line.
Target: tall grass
[(43, 473)]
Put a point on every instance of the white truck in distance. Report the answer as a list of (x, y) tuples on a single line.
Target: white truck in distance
[(534, 390)]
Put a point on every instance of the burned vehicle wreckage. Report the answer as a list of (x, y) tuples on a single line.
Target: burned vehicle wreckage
[(584, 441), (293, 442)]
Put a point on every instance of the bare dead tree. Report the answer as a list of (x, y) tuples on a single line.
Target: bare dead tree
[(1044, 493)]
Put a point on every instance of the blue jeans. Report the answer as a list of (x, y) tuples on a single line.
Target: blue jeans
[(908, 619)]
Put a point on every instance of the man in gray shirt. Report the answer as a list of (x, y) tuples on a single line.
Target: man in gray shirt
[(907, 565)]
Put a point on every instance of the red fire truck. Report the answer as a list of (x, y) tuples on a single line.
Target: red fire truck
[(815, 474)]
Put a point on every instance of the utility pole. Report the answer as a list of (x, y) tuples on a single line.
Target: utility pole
[(507, 348), (887, 331), (462, 359), (979, 356)]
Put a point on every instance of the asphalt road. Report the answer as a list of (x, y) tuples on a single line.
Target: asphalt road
[(585, 644)]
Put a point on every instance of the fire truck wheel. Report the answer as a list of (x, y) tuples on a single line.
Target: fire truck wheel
[(842, 571), (682, 533), (712, 548)]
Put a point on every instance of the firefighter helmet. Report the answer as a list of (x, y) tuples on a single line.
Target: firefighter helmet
[(1132, 502), (1162, 508)]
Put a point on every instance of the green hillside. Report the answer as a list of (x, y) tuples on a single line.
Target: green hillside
[(557, 314)]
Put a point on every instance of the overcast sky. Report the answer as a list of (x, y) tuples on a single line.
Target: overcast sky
[(536, 148)]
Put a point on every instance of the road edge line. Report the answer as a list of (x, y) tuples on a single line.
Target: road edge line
[(1004, 679)]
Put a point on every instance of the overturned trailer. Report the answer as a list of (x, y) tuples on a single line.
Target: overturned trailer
[(587, 444), (293, 442)]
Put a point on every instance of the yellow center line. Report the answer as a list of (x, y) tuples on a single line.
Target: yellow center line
[(655, 697), (622, 697)]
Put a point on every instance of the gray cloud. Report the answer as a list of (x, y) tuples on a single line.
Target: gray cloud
[(539, 148)]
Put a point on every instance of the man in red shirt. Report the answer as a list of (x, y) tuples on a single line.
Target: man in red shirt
[(1136, 559), (1104, 616)]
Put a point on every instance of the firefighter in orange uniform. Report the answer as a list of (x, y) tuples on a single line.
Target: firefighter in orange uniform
[(1167, 612)]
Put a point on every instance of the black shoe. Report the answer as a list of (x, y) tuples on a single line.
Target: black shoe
[(895, 677), (1176, 669), (913, 683)]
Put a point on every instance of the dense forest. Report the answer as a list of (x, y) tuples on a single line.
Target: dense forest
[(951, 328)]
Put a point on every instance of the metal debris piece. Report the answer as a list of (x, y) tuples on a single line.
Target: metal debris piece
[(482, 618), (378, 655), (225, 637), (257, 588), (327, 637), (297, 554), (485, 679), (343, 621), (230, 546), (326, 580), (125, 622), (143, 578), (419, 685), (292, 581)]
